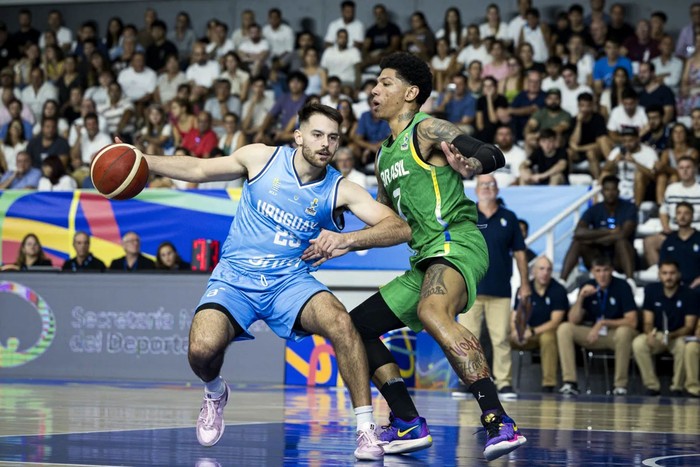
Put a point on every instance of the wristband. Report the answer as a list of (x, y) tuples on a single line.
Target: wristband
[(490, 156)]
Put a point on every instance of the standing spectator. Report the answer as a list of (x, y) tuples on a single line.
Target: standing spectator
[(493, 300), (24, 176), (526, 103), (686, 45), (168, 259), (132, 260), (203, 140), (30, 255), (547, 165), (255, 51), (343, 59), (668, 67), (689, 96), (83, 260), (256, 107), (640, 47), (182, 36), (168, 81), (238, 78), (605, 66), (634, 164), (514, 155), (572, 89), (683, 246), (160, 48), (26, 34), (669, 317), (118, 113), (55, 177), (221, 104), (38, 92), (48, 143), (589, 138), (686, 189), (347, 21), (654, 93), (545, 310), (628, 114), (89, 142), (604, 316), (201, 72), (233, 138), (515, 26), (491, 111), (458, 104), (605, 229)]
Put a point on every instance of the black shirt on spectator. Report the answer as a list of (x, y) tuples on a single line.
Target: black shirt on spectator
[(141, 264), (539, 163), (21, 38), (489, 132), (502, 235), (684, 252), (90, 264), (381, 37), (554, 298), (156, 54), (611, 303), (684, 302), (661, 96), (592, 129), (36, 149)]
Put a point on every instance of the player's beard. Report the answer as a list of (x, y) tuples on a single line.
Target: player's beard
[(313, 158)]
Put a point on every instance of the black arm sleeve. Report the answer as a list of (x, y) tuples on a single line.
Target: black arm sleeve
[(490, 156)]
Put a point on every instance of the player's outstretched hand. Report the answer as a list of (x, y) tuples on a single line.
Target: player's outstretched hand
[(326, 246), (465, 166)]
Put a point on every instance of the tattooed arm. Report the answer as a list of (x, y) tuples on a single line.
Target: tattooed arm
[(435, 141)]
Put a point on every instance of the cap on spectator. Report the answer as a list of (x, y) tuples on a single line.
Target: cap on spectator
[(629, 131), (554, 91)]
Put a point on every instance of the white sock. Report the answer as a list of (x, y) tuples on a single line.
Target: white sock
[(364, 415), (215, 388)]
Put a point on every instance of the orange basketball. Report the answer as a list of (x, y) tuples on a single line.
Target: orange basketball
[(119, 171)]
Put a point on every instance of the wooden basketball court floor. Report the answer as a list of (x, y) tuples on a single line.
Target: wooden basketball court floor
[(78, 424)]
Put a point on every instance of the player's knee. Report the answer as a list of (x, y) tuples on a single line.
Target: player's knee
[(201, 350), (429, 314), (565, 331), (340, 327)]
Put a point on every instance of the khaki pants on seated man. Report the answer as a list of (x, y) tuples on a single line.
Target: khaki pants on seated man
[(692, 368), (643, 352), (547, 343), (617, 339)]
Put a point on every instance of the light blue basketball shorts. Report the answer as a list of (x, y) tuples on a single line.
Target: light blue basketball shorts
[(247, 297)]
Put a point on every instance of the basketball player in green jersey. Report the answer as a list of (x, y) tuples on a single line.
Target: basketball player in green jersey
[(419, 171)]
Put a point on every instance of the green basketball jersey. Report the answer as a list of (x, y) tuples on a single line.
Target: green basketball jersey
[(430, 198)]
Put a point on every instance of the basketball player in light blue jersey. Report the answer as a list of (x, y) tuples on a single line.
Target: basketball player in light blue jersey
[(289, 197)]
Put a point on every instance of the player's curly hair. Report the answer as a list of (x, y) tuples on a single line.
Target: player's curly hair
[(412, 70)]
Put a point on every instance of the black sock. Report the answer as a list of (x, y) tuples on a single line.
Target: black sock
[(486, 395), (399, 400)]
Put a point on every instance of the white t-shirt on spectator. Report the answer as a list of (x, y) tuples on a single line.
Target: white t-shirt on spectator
[(509, 173), (502, 34), (673, 67), (167, 87), (203, 75), (549, 83), (10, 153), (135, 85), (677, 192), (113, 115), (626, 171), (98, 94), (89, 147), (471, 53), (281, 40), (34, 100), (64, 36), (619, 118), (73, 133), (569, 98), (356, 31), (514, 28), (65, 183), (225, 48), (341, 63)]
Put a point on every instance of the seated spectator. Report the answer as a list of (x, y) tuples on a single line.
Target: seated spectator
[(50, 109), (183, 37), (160, 48), (24, 176), (333, 95), (345, 163), (695, 129), (526, 103), (475, 50), (612, 96), (30, 255), (553, 79), (317, 76), (138, 84), (233, 138), (48, 142), (202, 72), (658, 135), (589, 139), (689, 95), (54, 176), (220, 104), (369, 135), (491, 111), (342, 60), (669, 317), (668, 163), (238, 78), (629, 114), (512, 85), (497, 65), (169, 81), (14, 110), (534, 322), (87, 107), (284, 110), (692, 364), (133, 260), (514, 154), (255, 51), (31, 59), (571, 89), (381, 39), (458, 105), (72, 77), (37, 92), (168, 259), (654, 93), (420, 39), (634, 164), (88, 143), (13, 144), (579, 56), (618, 28), (606, 229), (604, 316), (683, 245), (348, 125), (156, 137), (475, 71), (537, 34), (7, 96), (118, 113), (453, 30), (605, 66), (83, 260), (70, 110), (640, 47), (687, 189), (202, 140), (256, 107), (526, 54), (182, 120), (493, 27), (669, 68), (220, 44), (551, 117), (547, 165)]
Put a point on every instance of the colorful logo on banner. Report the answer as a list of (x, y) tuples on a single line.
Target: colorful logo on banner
[(10, 353), (433, 371), (311, 361)]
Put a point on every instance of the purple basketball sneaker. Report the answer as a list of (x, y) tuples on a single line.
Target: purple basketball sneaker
[(401, 436), (210, 423), (502, 435)]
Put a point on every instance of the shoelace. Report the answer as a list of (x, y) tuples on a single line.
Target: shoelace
[(210, 413), (492, 429)]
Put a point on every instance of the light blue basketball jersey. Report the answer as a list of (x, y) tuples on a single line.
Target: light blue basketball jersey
[(277, 216)]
